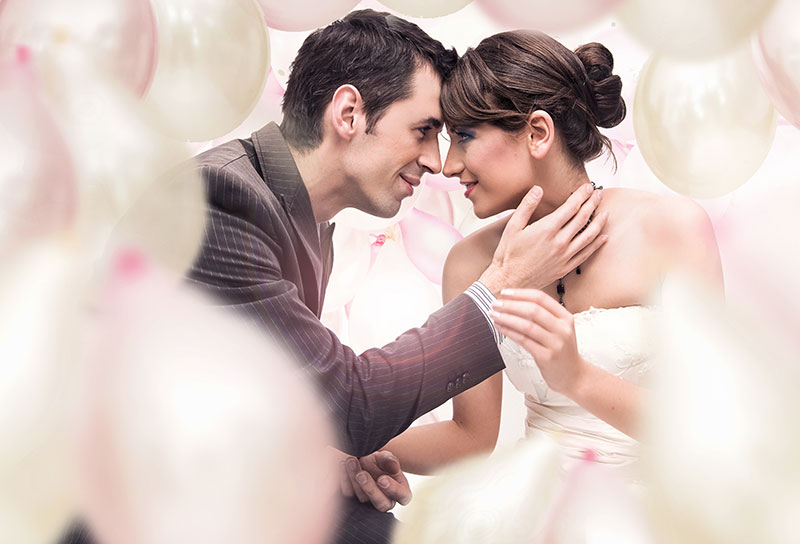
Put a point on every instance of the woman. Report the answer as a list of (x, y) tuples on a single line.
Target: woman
[(522, 110)]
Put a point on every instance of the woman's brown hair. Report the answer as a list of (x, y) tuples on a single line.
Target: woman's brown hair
[(511, 74)]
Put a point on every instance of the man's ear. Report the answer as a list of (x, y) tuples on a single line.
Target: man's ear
[(541, 134), (346, 111)]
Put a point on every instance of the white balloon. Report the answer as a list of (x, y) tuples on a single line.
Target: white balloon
[(40, 335), (502, 499), (130, 192), (198, 427), (212, 67), (426, 8), (304, 14), (693, 28)]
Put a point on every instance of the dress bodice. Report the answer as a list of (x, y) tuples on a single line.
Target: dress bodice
[(618, 340)]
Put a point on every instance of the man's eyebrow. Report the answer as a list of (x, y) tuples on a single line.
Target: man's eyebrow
[(433, 122)]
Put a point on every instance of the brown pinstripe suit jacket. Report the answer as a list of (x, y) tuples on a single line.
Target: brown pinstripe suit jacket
[(264, 255)]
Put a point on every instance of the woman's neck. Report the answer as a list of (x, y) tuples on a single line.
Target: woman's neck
[(558, 185)]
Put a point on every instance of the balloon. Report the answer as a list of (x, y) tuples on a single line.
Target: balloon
[(462, 29), (693, 28), (722, 425), (213, 63), (394, 298), (703, 128), (427, 241), (130, 191), (502, 499), (37, 179), (775, 48), (304, 14), (196, 426), (283, 49), (40, 316), (442, 183), (436, 203), (120, 36), (425, 8), (595, 504), (351, 261), (544, 15)]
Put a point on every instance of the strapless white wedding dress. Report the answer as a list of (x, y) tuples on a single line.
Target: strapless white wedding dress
[(618, 340)]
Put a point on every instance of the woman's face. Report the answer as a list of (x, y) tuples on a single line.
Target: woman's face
[(494, 166)]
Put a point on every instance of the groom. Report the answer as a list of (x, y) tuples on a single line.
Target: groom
[(361, 124)]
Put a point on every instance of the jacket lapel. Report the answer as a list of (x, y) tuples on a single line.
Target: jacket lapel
[(280, 173)]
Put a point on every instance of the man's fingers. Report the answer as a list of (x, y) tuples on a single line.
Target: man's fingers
[(344, 481), (534, 310), (522, 326), (564, 213), (589, 238), (389, 464), (588, 251), (354, 468), (581, 219), (374, 494), (522, 215), (394, 490)]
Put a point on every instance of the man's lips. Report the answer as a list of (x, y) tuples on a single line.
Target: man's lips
[(414, 182)]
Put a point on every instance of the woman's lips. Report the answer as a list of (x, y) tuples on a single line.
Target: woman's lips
[(470, 186)]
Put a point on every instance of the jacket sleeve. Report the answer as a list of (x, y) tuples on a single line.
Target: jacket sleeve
[(373, 396)]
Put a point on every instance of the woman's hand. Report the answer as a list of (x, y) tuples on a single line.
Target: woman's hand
[(546, 329)]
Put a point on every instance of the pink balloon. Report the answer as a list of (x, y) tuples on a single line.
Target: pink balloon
[(119, 34), (436, 203), (36, 171), (775, 53), (427, 242), (442, 183)]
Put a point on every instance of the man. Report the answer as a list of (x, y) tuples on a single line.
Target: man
[(361, 124)]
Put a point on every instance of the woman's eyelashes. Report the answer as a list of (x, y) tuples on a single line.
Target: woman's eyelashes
[(463, 136)]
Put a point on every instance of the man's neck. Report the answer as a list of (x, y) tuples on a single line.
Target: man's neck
[(323, 183)]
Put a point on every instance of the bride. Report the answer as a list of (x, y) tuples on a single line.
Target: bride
[(522, 110)]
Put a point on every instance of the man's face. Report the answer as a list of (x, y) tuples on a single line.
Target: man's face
[(386, 165)]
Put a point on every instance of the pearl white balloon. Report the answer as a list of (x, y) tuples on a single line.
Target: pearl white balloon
[(502, 499), (425, 8), (693, 28), (40, 334), (545, 15), (213, 64), (703, 128), (722, 425), (130, 192), (304, 14), (775, 50), (197, 427)]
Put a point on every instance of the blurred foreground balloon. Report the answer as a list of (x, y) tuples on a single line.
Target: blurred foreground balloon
[(119, 36), (425, 8), (40, 334), (196, 427), (703, 128), (544, 15), (693, 28), (130, 189), (595, 504), (37, 178), (304, 14), (394, 298), (427, 241), (776, 50), (723, 426), (213, 63), (497, 500)]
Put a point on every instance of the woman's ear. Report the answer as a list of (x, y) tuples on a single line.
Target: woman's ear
[(541, 133), (346, 111)]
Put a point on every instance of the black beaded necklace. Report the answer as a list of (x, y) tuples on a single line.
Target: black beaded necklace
[(560, 286)]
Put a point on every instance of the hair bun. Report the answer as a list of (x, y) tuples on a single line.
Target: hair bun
[(607, 87)]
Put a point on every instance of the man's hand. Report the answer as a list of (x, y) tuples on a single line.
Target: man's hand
[(376, 478), (534, 256)]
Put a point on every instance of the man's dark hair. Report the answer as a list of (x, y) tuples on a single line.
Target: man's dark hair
[(375, 52)]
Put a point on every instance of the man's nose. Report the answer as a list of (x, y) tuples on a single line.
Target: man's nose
[(430, 159)]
